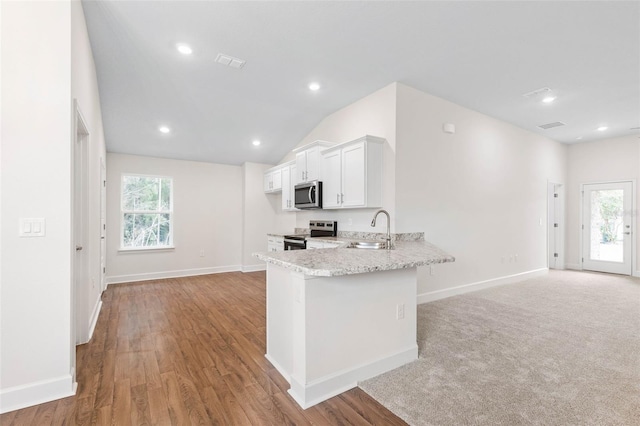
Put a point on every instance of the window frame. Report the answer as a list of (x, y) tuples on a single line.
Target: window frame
[(170, 212)]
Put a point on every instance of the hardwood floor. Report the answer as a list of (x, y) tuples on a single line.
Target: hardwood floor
[(188, 351)]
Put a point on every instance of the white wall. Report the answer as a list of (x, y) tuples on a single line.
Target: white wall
[(600, 161), (373, 115), (479, 194), (84, 89), (262, 213), (36, 342), (207, 215)]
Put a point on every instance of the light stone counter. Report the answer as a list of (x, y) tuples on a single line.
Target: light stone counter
[(333, 262)]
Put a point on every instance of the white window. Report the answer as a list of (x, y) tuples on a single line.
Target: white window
[(146, 212)]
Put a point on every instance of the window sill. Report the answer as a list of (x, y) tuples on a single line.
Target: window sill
[(145, 249)]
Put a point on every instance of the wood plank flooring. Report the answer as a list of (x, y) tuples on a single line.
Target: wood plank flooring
[(188, 351)]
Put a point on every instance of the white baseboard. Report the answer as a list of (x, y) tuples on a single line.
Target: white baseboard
[(574, 266), (312, 393), (116, 279), (278, 367), (23, 396), (94, 318), (254, 268), (480, 285)]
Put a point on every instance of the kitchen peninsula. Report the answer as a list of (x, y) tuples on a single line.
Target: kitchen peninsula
[(339, 316)]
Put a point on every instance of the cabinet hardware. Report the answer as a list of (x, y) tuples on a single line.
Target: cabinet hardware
[(341, 198), (337, 198)]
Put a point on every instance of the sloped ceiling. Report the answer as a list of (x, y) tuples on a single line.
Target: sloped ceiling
[(482, 55)]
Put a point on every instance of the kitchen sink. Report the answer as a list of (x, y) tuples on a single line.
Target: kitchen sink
[(371, 245)]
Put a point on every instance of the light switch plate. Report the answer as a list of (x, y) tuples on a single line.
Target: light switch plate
[(31, 227)]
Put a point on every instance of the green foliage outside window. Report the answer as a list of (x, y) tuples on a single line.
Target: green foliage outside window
[(146, 208), (611, 211)]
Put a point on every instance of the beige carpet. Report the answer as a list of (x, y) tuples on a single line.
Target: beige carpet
[(563, 349)]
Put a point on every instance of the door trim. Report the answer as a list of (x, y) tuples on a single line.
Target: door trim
[(634, 210)]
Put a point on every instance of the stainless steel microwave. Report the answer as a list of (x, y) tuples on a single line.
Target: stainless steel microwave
[(308, 195)]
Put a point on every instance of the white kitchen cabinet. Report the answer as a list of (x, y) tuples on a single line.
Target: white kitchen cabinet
[(275, 243), (352, 174), (308, 161), (311, 244), (273, 180), (288, 178)]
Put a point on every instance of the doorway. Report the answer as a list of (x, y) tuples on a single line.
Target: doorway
[(80, 284), (607, 227), (555, 225)]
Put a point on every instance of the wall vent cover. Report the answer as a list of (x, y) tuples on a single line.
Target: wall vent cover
[(551, 125)]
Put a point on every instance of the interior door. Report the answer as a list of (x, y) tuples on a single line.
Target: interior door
[(103, 224), (607, 227)]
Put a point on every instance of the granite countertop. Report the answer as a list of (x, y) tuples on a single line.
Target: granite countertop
[(332, 262)]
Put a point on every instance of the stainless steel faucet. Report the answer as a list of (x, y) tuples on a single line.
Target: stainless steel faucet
[(373, 223)]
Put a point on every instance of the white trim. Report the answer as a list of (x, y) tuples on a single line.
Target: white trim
[(309, 394), (634, 208), (94, 318), (116, 279), (17, 397), (480, 285), (636, 274), (278, 367), (574, 266), (145, 249), (254, 268)]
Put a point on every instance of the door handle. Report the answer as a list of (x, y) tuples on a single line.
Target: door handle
[(78, 248), (628, 233)]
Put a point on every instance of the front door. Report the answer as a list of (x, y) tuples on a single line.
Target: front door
[(607, 227)]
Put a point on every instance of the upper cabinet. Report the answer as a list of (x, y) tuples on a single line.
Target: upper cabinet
[(308, 161), (288, 178), (352, 174), (273, 180)]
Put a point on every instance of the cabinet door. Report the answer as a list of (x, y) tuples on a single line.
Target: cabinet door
[(292, 184), (331, 183), (301, 167), (314, 245), (313, 164), (276, 180), (267, 182), (286, 188), (353, 175)]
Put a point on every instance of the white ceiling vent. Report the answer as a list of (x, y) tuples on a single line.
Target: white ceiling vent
[(229, 61), (551, 125), (537, 93)]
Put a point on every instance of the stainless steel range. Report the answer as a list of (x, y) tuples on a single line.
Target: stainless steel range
[(318, 228)]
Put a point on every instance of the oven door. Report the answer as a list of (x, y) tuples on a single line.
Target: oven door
[(291, 244)]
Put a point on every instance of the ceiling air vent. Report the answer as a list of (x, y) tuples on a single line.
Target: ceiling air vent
[(229, 61), (551, 125), (537, 93)]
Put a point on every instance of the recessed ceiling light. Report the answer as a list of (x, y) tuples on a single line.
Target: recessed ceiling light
[(314, 86), (256, 143), (548, 99), (164, 129), (579, 137), (602, 128), (185, 49)]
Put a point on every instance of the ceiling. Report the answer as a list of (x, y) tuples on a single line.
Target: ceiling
[(479, 54)]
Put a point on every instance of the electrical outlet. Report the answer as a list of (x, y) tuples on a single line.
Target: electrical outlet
[(201, 253), (400, 311), (431, 272), (516, 257)]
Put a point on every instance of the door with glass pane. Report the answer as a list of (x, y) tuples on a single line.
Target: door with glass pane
[(607, 227)]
